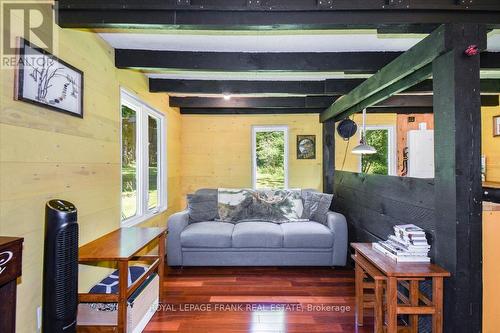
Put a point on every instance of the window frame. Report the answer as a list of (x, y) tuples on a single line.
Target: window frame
[(143, 111), (268, 128), (391, 149)]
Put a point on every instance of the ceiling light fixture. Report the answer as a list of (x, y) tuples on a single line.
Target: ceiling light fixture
[(363, 147)]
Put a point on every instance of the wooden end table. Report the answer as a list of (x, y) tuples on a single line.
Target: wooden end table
[(122, 246), (386, 275)]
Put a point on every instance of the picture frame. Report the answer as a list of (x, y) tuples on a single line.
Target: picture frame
[(44, 80), (496, 125), (306, 147)]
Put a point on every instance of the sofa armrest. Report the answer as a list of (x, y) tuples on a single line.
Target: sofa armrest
[(175, 225), (338, 225)]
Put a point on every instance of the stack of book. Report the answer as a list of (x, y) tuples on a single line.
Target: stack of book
[(408, 244)]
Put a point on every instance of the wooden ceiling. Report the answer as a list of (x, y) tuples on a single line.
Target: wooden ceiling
[(267, 81)]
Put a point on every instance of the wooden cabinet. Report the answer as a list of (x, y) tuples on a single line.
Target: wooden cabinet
[(10, 270)]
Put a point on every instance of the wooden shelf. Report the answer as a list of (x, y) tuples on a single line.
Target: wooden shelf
[(122, 246)]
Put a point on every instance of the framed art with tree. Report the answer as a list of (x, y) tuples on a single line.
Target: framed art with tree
[(47, 81)]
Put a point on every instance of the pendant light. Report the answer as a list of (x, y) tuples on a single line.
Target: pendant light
[(363, 147)]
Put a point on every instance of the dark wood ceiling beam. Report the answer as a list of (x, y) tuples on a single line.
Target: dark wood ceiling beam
[(273, 5), (310, 102), (372, 110), (253, 102), (252, 87), (327, 87), (225, 111), (353, 62), (216, 14)]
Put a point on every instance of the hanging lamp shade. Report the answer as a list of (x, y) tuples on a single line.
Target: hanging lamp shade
[(363, 148)]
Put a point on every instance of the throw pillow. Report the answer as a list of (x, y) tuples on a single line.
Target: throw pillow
[(278, 206), (316, 206), (306, 214), (202, 207)]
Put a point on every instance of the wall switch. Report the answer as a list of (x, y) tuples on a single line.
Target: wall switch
[(39, 318)]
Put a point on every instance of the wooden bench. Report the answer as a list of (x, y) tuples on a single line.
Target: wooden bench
[(387, 275)]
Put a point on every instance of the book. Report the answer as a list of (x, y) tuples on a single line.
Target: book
[(409, 231), (410, 246), (414, 259), (378, 247), (397, 250), (411, 228), (417, 252), (381, 249)]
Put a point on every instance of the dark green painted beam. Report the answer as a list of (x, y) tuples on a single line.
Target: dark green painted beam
[(407, 63), (381, 95)]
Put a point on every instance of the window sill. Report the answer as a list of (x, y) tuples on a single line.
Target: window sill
[(134, 221)]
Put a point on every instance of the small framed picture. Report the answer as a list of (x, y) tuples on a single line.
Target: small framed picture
[(47, 81), (496, 126), (306, 147)]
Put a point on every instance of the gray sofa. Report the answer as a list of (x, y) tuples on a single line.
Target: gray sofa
[(214, 243)]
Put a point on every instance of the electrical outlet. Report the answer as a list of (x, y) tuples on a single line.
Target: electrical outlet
[(39, 318)]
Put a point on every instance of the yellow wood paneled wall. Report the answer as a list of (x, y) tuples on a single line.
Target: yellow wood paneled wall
[(45, 154), (216, 150), (490, 144)]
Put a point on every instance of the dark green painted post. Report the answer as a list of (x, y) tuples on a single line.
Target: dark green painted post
[(328, 155), (457, 116)]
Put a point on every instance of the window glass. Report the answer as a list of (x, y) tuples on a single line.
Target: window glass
[(153, 175), (377, 163), (269, 159), (144, 186), (129, 162)]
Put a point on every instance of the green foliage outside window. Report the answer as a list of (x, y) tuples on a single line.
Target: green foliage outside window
[(270, 150), (376, 163)]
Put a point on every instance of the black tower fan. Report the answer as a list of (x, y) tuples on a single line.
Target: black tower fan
[(60, 268)]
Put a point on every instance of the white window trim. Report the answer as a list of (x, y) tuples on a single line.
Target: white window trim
[(391, 149), (268, 128), (143, 111)]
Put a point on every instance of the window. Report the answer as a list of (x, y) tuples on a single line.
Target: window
[(143, 160), (383, 162), (270, 156)]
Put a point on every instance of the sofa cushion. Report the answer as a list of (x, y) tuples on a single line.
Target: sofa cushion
[(306, 235), (257, 234), (207, 234), (202, 206), (316, 206)]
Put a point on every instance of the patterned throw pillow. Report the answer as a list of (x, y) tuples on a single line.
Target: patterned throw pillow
[(316, 206), (278, 206), (202, 207)]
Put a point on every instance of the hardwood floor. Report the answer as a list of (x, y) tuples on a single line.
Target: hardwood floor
[(257, 300)]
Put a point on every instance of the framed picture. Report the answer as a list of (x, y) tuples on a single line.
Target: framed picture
[(306, 147), (47, 81), (496, 126)]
